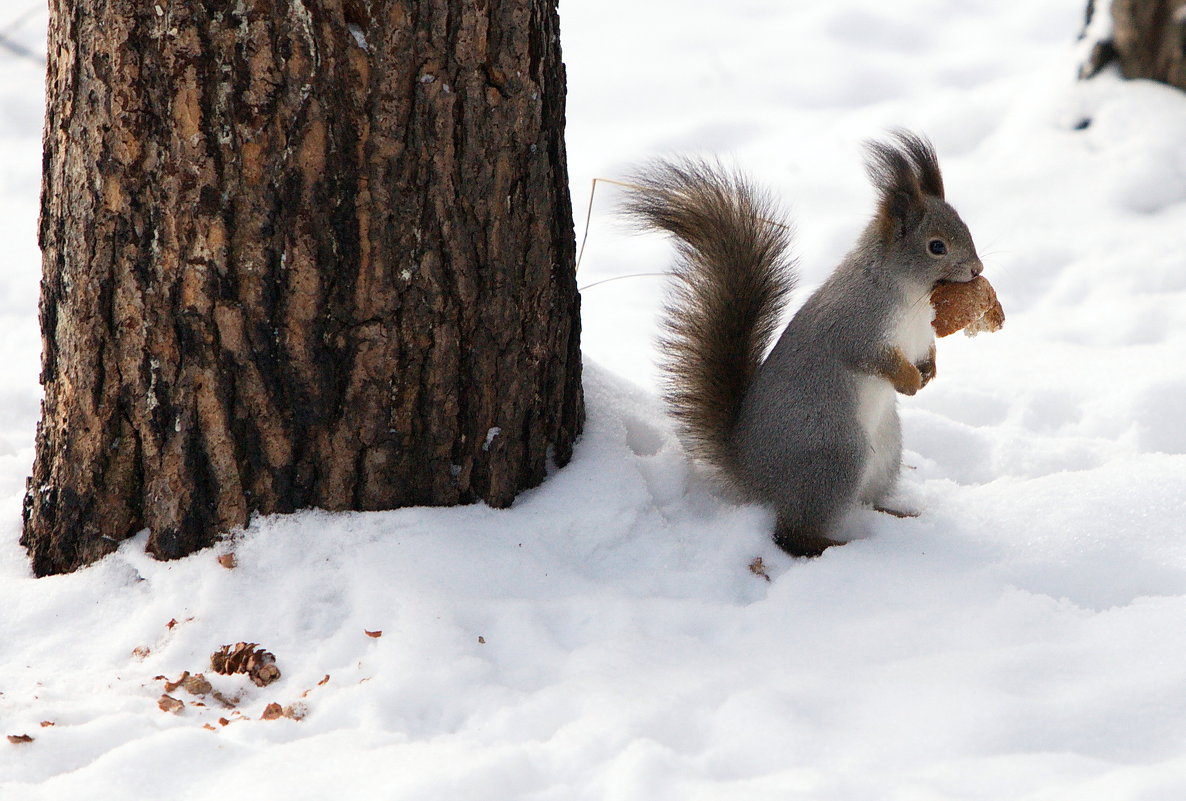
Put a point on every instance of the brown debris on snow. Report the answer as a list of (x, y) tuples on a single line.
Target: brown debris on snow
[(274, 711), (758, 568), (168, 703)]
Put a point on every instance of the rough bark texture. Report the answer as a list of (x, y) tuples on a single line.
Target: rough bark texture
[(298, 253), (1148, 41)]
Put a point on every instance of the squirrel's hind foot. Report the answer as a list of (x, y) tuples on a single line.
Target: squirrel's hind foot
[(899, 513), (799, 543)]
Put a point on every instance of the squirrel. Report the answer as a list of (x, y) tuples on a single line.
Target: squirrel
[(812, 429)]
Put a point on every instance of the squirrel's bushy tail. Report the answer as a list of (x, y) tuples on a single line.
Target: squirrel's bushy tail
[(733, 274)]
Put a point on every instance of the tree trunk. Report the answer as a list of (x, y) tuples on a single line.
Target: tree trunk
[(1148, 40), (298, 254)]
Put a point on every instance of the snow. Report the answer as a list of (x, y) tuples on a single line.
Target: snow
[(605, 638)]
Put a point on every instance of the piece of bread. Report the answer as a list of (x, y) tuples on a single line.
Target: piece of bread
[(970, 307)]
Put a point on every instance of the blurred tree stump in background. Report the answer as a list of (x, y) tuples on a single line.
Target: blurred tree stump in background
[(1148, 40)]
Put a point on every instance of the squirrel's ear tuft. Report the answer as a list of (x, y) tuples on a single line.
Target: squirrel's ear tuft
[(903, 170), (921, 153), (900, 204)]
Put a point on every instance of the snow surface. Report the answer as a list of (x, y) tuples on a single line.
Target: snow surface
[(604, 639)]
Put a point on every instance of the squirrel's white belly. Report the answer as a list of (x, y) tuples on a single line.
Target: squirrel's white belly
[(877, 414), (915, 332), (877, 411)]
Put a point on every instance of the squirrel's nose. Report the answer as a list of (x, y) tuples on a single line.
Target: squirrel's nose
[(977, 268)]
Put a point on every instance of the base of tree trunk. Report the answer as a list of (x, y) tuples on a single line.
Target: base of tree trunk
[(298, 255)]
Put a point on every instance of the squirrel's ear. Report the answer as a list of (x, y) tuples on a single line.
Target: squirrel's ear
[(900, 206)]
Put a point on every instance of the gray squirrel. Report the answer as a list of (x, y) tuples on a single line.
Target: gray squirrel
[(811, 430)]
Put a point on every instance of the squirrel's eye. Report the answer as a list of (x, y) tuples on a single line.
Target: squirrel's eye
[(937, 247)]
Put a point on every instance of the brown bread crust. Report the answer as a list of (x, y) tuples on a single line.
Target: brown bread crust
[(971, 307)]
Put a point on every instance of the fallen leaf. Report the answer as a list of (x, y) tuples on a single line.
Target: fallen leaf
[(481, 640), (272, 711), (228, 561), (375, 634), (296, 711), (47, 724), (141, 651), (168, 703), (172, 622), (223, 722), (170, 686), (323, 681), (16, 739), (197, 684), (208, 726)]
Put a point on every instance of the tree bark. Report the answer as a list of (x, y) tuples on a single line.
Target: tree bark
[(298, 254), (1148, 41)]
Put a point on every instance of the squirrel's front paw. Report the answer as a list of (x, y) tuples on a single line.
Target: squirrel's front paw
[(927, 368), (907, 379), (893, 365), (910, 381)]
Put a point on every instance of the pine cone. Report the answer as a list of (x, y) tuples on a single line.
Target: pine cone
[(245, 657)]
